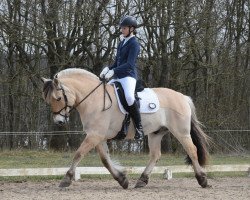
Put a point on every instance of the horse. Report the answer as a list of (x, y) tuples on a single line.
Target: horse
[(80, 89)]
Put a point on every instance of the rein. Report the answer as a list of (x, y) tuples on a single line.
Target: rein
[(103, 81)]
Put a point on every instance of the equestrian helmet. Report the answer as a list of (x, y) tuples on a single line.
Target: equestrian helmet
[(128, 21)]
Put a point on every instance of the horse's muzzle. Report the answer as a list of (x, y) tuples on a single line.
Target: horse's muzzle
[(60, 120), (60, 123)]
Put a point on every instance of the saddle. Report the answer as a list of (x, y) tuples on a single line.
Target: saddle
[(138, 88)]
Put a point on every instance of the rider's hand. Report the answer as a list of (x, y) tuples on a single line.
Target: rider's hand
[(104, 72), (109, 74)]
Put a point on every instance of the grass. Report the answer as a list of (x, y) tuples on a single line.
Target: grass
[(40, 159), (48, 159)]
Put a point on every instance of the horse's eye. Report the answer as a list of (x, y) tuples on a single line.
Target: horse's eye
[(59, 98)]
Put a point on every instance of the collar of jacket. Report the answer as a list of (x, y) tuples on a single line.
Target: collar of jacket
[(125, 41)]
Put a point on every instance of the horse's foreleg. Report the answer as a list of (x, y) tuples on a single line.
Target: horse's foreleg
[(118, 175), (88, 143), (154, 143)]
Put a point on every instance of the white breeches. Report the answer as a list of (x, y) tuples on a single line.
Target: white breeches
[(128, 85)]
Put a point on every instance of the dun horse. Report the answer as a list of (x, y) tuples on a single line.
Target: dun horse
[(78, 88)]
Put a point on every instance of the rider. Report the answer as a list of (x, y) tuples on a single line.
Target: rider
[(124, 69)]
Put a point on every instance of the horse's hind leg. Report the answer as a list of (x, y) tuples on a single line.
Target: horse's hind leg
[(191, 150), (154, 143), (118, 175), (182, 133), (88, 143)]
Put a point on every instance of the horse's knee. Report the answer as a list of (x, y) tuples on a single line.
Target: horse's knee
[(155, 156), (88, 143), (77, 155)]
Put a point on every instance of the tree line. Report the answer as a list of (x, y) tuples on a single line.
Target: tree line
[(200, 48)]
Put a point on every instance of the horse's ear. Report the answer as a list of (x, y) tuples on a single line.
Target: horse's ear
[(56, 82), (47, 87), (44, 80)]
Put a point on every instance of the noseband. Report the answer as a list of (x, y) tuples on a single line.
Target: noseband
[(103, 81), (66, 105)]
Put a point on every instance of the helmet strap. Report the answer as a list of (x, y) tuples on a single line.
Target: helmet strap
[(129, 31)]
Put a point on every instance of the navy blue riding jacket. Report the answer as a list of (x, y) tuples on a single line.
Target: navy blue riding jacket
[(125, 61)]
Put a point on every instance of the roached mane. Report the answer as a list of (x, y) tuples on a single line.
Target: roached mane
[(49, 86), (47, 90), (71, 71)]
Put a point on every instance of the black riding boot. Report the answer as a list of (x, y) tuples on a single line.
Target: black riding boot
[(136, 116)]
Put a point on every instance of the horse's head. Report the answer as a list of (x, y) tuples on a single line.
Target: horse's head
[(60, 98)]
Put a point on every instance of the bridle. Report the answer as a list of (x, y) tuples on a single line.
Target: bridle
[(71, 108), (66, 105)]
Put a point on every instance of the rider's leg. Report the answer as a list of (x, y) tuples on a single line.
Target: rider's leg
[(136, 116), (128, 85)]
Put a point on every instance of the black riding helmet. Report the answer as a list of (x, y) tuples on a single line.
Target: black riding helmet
[(128, 21)]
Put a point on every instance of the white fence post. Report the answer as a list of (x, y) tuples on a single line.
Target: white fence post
[(167, 174), (77, 175)]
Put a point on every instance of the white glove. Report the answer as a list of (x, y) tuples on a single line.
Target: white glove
[(104, 72), (109, 74)]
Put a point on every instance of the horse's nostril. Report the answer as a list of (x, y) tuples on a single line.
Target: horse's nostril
[(60, 122)]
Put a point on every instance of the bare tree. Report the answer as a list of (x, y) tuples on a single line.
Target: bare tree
[(200, 48)]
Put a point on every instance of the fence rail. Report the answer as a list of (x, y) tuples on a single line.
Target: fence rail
[(80, 132), (131, 170), (226, 141)]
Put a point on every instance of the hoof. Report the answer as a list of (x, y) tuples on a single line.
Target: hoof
[(140, 184), (122, 180), (142, 181), (66, 182), (125, 184), (202, 180)]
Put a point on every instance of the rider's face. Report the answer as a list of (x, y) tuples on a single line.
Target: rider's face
[(125, 31)]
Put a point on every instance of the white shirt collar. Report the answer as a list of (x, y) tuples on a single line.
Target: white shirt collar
[(127, 39)]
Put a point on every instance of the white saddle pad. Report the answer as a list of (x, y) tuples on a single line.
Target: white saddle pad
[(149, 102)]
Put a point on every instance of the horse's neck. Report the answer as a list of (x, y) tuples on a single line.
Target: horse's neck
[(80, 86), (93, 91)]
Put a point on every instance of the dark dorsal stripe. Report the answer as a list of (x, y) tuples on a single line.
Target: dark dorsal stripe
[(47, 88)]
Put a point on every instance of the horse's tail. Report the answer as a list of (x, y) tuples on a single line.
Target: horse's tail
[(200, 139)]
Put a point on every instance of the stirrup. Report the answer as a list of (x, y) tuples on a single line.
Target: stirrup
[(120, 136)]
